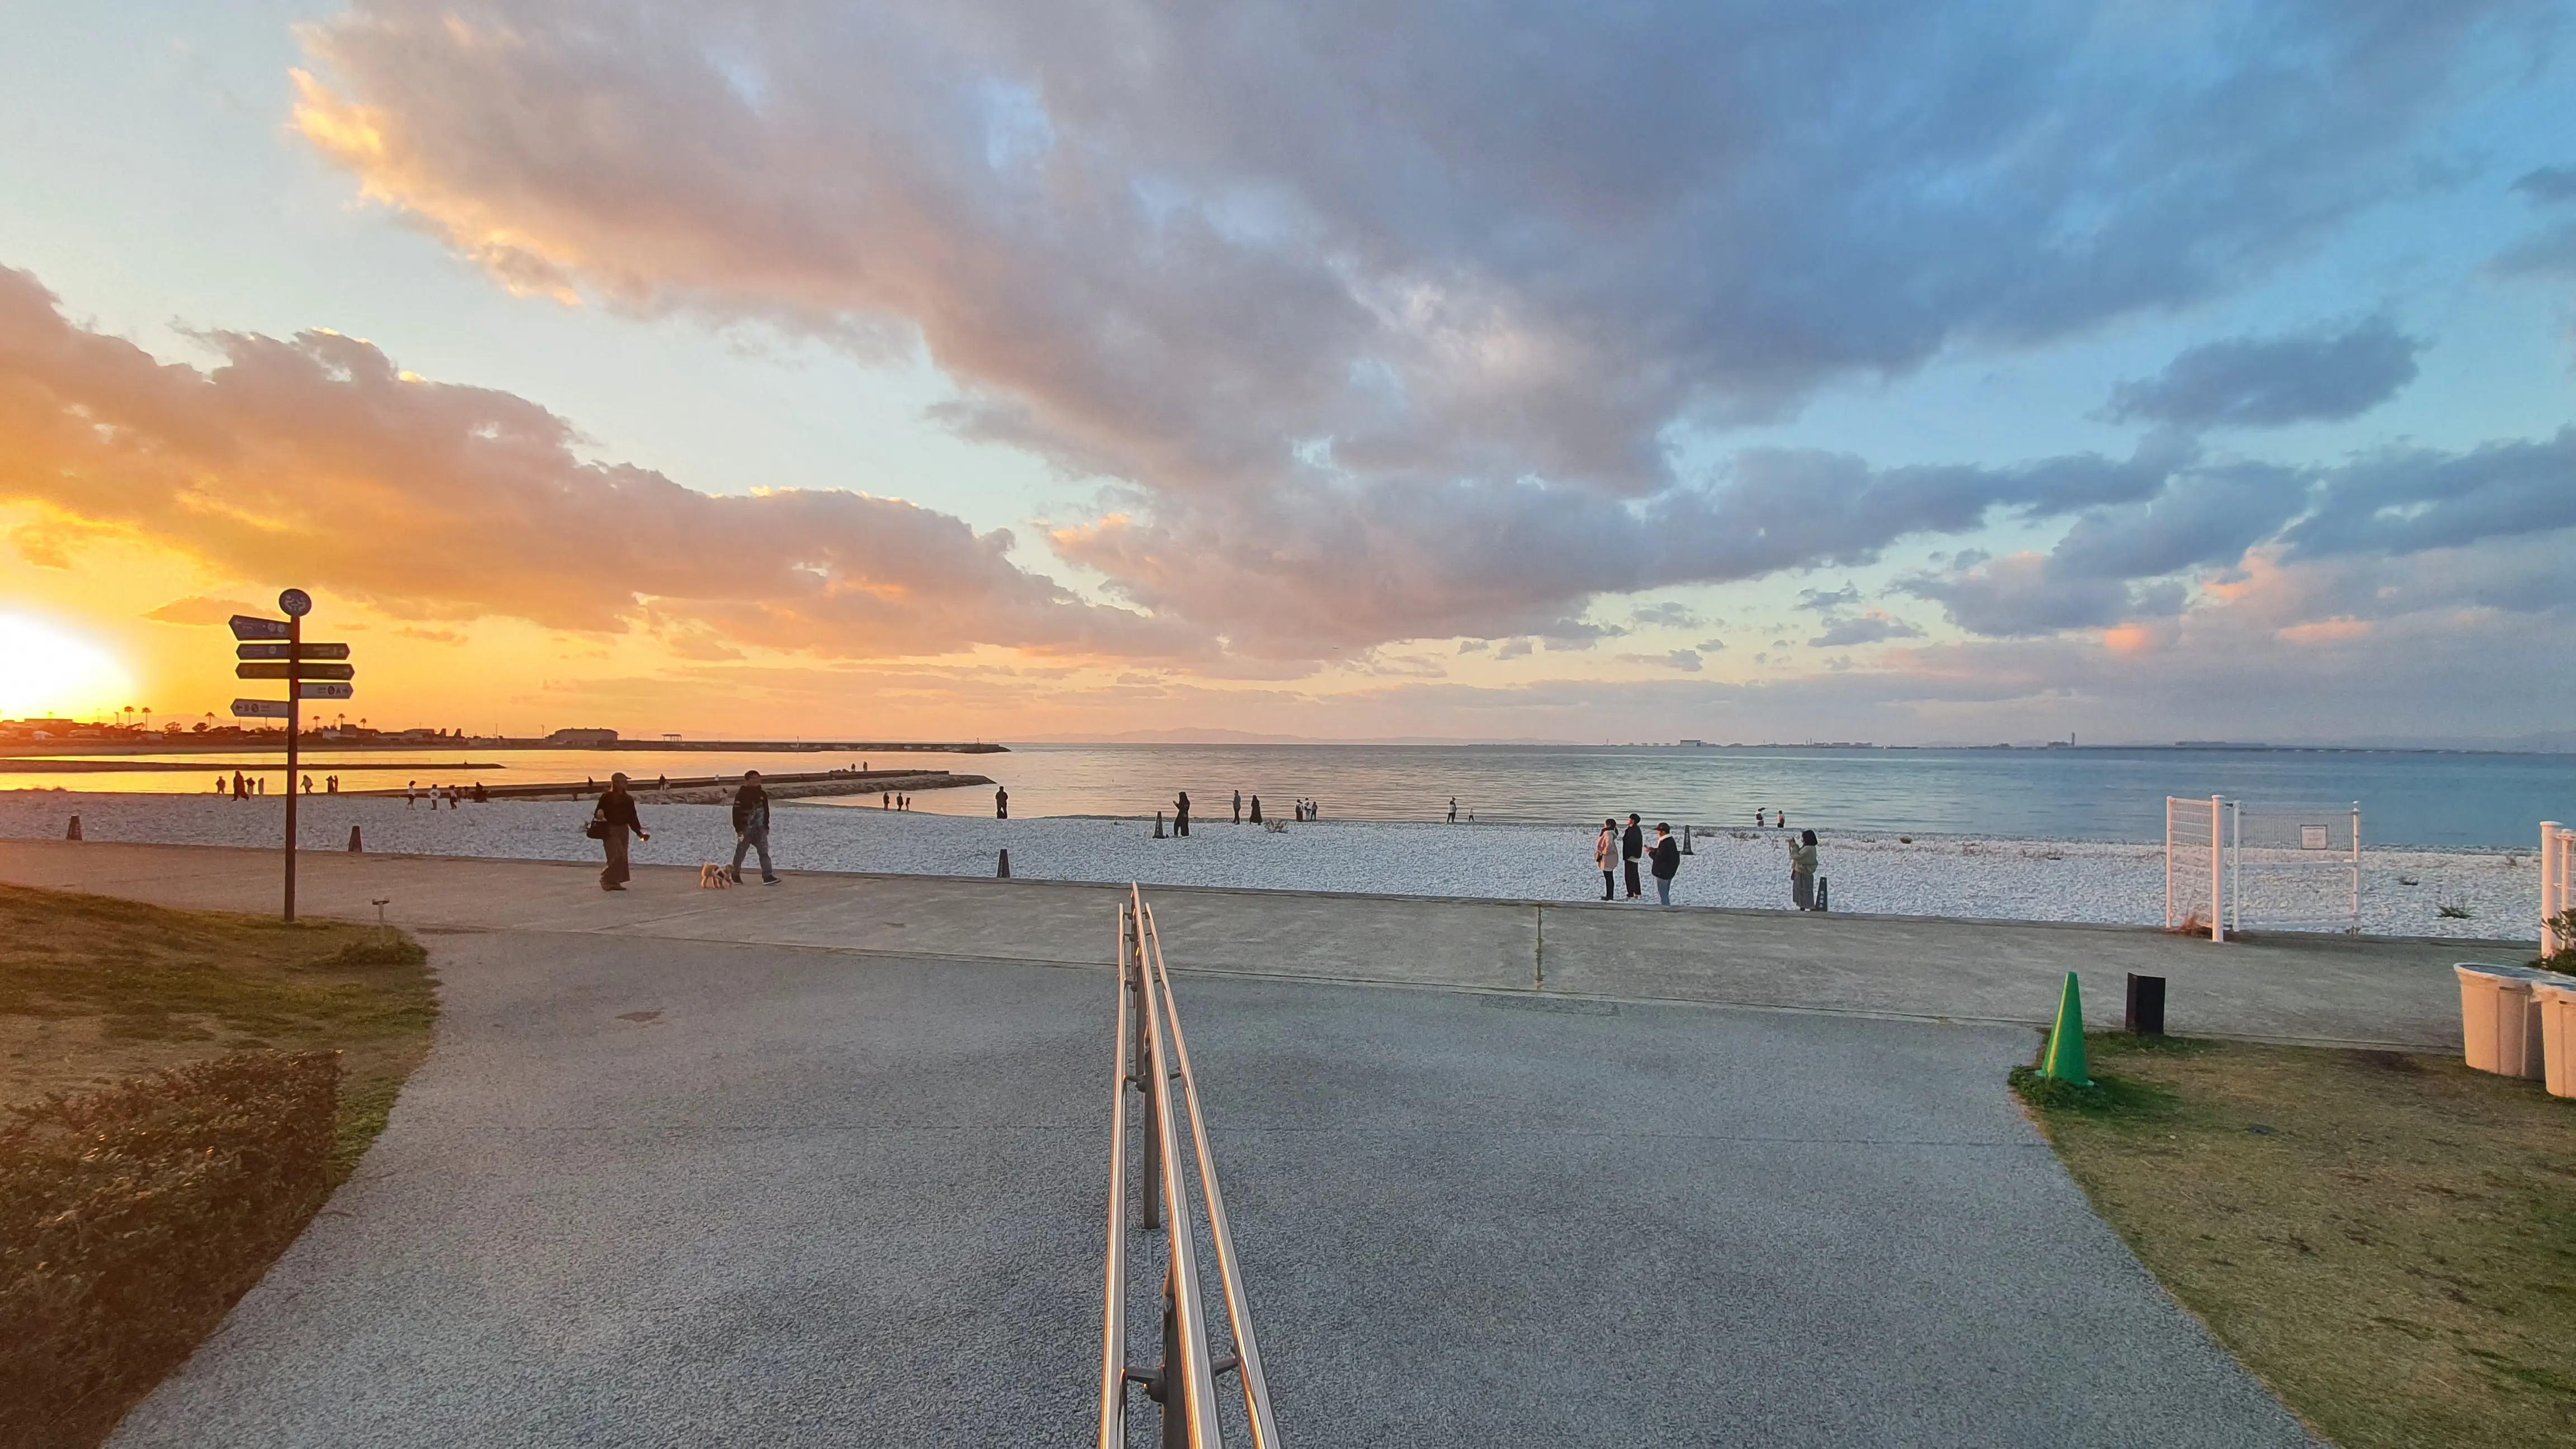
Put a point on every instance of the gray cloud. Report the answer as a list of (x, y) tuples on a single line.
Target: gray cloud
[(2548, 183), (1873, 627), (1685, 660), (2092, 578), (1328, 283), (2407, 500), (2266, 382), (1326, 566)]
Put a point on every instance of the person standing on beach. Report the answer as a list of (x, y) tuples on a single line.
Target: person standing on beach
[(1453, 809), (1632, 848), (1802, 871), (1001, 802), (613, 817), (1256, 809), (1181, 815), (1758, 817), (1238, 807), (751, 827), (411, 793), (1605, 858), (1668, 863)]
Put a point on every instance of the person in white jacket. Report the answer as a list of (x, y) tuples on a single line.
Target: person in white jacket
[(1605, 858)]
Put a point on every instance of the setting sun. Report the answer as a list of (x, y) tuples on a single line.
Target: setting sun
[(50, 672)]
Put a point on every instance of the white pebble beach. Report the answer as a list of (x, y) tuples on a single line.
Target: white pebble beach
[(2403, 891)]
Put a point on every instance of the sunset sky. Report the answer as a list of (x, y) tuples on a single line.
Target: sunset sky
[(1775, 370)]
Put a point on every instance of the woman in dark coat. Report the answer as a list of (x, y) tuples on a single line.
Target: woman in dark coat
[(613, 818)]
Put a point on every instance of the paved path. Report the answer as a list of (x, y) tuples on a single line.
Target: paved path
[(2286, 988), (682, 1192)]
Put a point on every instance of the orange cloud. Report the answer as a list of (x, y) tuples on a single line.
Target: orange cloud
[(317, 458)]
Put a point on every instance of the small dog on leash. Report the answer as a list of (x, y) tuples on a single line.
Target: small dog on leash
[(714, 878)]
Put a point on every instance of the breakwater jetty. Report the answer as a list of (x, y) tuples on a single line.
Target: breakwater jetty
[(717, 789)]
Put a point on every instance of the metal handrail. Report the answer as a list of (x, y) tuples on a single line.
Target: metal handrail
[(1113, 1314), (1151, 1054)]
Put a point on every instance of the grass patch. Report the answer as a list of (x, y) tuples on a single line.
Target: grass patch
[(179, 1093), (94, 990), (2387, 1239)]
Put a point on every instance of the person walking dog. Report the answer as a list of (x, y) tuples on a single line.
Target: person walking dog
[(1605, 858), (1632, 848), (1667, 856), (610, 821), (751, 826)]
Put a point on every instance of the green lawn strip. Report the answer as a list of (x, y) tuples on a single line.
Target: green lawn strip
[(162, 984), (2388, 1240), (189, 1087)]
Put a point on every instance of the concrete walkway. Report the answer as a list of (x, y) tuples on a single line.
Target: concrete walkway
[(660, 1190), (2294, 988)]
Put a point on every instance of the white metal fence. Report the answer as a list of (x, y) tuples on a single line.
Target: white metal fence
[(2231, 866), (2557, 884), (2195, 864)]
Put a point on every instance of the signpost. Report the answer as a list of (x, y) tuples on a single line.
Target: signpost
[(275, 649)]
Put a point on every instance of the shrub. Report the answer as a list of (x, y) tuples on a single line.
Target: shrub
[(2564, 925), (132, 1218)]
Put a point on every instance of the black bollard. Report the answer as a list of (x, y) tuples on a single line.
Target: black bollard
[(2146, 1005), (354, 847), (1824, 893), (1003, 872), (1158, 825), (74, 832), (1686, 849)]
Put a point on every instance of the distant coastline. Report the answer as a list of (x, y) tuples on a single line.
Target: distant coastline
[(231, 741)]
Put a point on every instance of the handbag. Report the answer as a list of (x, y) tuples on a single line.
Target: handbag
[(597, 829)]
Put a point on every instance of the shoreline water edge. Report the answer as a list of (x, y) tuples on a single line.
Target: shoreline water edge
[(2461, 894)]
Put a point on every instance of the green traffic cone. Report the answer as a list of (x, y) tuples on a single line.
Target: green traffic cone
[(2065, 1057)]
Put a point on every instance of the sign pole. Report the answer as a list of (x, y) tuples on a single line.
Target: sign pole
[(294, 718)]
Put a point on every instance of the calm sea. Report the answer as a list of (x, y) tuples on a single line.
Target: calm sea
[(2085, 794)]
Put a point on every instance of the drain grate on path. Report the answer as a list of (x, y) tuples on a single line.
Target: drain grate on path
[(1552, 1003)]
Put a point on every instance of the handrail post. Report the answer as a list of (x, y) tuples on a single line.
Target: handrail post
[(1176, 1404)]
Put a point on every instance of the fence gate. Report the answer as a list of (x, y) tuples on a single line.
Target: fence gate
[(2233, 866), (2195, 860), (2557, 884)]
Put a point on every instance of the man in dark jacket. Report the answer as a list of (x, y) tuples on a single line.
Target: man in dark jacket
[(1668, 863), (1632, 846), (1001, 802), (751, 827), (615, 815)]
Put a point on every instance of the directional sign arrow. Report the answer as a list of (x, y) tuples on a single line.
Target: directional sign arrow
[(251, 626), (259, 709), (291, 651), (308, 671), (308, 689)]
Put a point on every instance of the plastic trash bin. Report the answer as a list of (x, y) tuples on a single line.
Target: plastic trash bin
[(2554, 1002), (2499, 1031)]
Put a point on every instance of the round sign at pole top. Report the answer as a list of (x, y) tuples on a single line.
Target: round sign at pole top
[(296, 603)]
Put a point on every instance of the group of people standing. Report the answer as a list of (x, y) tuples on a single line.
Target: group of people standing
[(1617, 851)]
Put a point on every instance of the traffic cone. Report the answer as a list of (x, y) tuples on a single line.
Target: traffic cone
[(74, 832), (1004, 873), (354, 847), (2064, 1059)]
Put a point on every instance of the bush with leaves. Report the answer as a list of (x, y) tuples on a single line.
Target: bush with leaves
[(131, 1219)]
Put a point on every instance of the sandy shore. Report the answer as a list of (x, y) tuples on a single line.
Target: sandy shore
[(2034, 880)]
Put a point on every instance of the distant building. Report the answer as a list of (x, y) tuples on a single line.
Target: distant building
[(582, 739)]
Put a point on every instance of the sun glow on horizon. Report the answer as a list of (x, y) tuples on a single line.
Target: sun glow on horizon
[(45, 671)]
